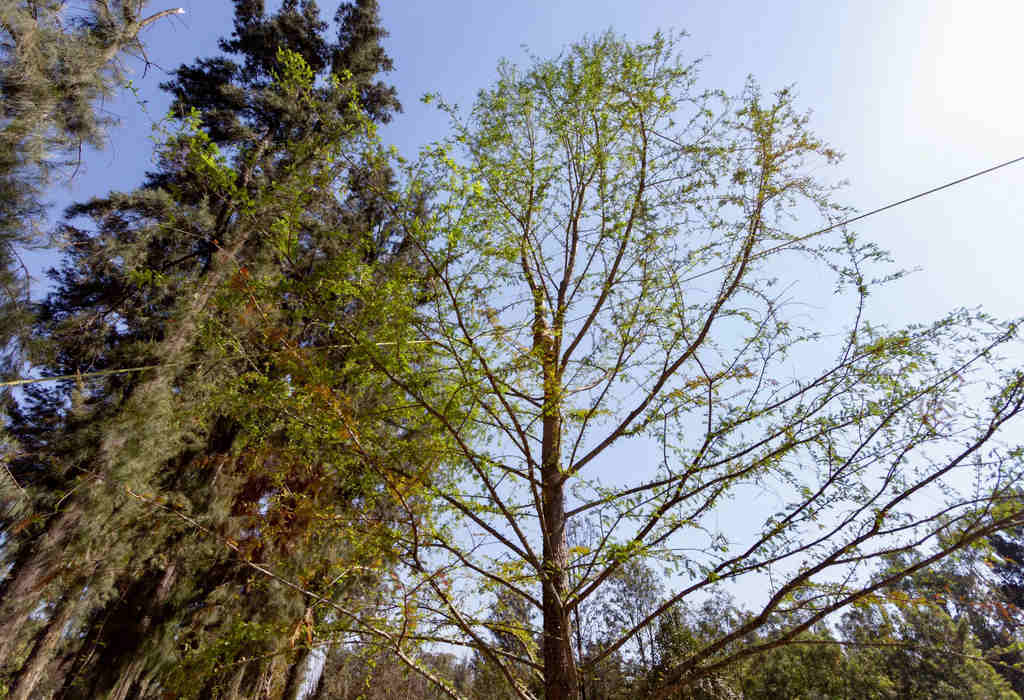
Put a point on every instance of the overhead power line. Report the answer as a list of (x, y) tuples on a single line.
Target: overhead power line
[(859, 217), (184, 363), (769, 251)]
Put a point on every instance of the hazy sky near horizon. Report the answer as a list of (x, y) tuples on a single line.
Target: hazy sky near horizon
[(915, 94)]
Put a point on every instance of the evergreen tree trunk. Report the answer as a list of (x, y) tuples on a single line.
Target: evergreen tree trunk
[(579, 654), (144, 686), (74, 668), (296, 673), (43, 652), (235, 691), (21, 594), (131, 673), (278, 677), (127, 680), (61, 669), (270, 685)]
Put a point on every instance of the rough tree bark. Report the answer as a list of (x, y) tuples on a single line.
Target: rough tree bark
[(561, 681), (43, 652)]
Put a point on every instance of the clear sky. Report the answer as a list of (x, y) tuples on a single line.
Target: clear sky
[(916, 93)]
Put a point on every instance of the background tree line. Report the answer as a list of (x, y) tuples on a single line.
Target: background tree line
[(324, 422)]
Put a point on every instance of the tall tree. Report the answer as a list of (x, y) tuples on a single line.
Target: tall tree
[(262, 188), (611, 255), (979, 588), (57, 62), (999, 624)]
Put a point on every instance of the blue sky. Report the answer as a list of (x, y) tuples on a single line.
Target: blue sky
[(915, 93)]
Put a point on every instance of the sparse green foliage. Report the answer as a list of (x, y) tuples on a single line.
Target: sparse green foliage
[(480, 401), (605, 255), (56, 64)]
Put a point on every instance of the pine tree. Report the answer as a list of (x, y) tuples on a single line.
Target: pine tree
[(1000, 625), (56, 64), (209, 270)]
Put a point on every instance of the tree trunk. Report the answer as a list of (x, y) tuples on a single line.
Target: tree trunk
[(560, 678), (144, 685), (21, 594), (296, 674), (43, 652), (270, 685), (579, 653), (235, 691), (126, 681), (131, 673)]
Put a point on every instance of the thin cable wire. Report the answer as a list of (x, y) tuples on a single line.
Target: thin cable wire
[(849, 221), (185, 363), (769, 251)]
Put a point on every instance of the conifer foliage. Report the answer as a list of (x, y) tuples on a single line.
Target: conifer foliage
[(159, 494), (57, 61), (315, 407)]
